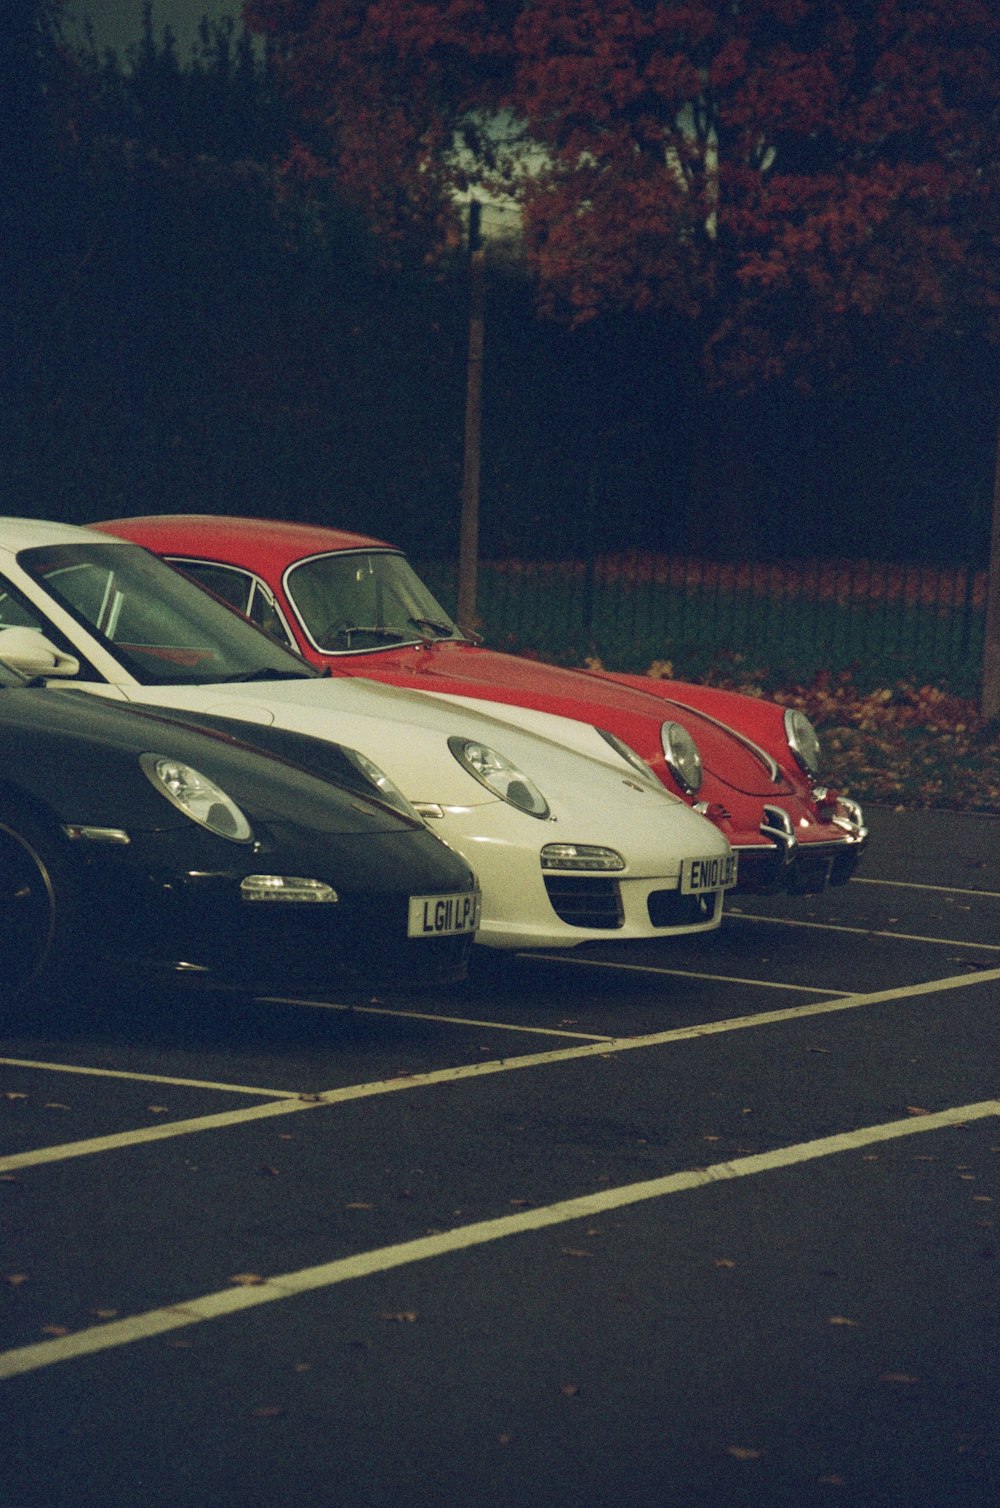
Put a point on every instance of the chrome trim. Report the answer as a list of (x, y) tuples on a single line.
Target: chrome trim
[(850, 819), (118, 835), (778, 827), (770, 764)]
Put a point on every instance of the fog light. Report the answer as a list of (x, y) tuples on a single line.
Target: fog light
[(580, 856), (285, 887)]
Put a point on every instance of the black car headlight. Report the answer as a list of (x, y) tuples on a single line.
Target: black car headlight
[(682, 756), (803, 740), (196, 796), (499, 776)]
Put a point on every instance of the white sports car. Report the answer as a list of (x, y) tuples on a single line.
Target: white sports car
[(571, 837)]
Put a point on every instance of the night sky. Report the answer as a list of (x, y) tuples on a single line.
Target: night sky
[(118, 23)]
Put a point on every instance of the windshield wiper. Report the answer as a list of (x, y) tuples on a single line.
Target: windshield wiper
[(267, 675), (445, 629)]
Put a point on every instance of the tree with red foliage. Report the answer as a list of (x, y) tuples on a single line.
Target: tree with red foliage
[(773, 169), (791, 179)]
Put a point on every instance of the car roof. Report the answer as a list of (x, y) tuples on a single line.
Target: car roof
[(245, 541), (22, 533)]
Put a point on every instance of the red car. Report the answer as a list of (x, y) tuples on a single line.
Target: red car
[(356, 605)]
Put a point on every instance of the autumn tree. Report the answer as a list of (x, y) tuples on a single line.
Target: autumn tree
[(784, 183)]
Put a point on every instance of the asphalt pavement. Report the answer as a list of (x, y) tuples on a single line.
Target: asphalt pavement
[(701, 1222)]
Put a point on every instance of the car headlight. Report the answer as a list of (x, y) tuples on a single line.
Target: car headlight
[(499, 776), (385, 789), (631, 758), (682, 756), (803, 741), (196, 796)]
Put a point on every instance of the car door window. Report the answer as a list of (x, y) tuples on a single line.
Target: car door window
[(241, 590)]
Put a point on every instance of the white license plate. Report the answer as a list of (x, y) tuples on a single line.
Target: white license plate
[(699, 875), (443, 915)]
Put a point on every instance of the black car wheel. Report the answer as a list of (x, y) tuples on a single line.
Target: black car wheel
[(37, 911)]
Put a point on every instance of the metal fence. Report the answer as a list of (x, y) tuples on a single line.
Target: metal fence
[(880, 622)]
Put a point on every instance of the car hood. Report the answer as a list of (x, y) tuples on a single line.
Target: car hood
[(79, 755), (590, 800), (469, 670)]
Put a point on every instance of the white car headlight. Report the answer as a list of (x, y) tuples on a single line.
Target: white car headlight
[(385, 789), (803, 740), (196, 796), (682, 756), (498, 775)]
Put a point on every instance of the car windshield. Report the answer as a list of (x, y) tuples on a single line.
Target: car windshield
[(157, 623), (364, 599)]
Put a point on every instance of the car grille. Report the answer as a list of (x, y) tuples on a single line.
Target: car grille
[(581, 901), (668, 908)]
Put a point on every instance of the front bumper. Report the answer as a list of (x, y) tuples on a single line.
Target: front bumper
[(786, 862)]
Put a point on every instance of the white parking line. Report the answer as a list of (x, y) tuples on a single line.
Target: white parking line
[(379, 1010), (486, 1069), (345, 1269), (940, 942), (641, 968), (150, 1078), (992, 895)]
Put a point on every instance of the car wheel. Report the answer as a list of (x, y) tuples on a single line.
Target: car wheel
[(39, 918)]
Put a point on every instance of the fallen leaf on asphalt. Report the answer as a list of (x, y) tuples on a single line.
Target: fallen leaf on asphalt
[(55, 1105), (268, 1170), (897, 1377), (55, 1329), (723, 1262), (400, 1317), (982, 1199), (574, 1251), (246, 1279), (358, 1204), (743, 1453), (104, 1314), (841, 1319), (569, 1389), (504, 1439), (13, 1094), (916, 1110), (15, 1279), (519, 1203), (158, 1109)]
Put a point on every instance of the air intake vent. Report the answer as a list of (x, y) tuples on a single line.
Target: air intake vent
[(580, 901)]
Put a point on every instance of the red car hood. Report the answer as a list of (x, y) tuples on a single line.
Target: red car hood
[(462, 669)]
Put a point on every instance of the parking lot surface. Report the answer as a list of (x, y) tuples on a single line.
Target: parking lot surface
[(708, 1221)]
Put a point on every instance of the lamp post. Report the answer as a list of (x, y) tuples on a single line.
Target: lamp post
[(468, 554)]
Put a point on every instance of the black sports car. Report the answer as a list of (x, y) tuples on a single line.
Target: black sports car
[(130, 838)]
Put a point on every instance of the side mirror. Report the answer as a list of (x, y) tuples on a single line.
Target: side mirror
[(29, 651)]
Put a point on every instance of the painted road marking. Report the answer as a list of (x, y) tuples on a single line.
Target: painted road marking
[(992, 895), (149, 1078), (585, 1207), (350, 1092), (378, 1010), (642, 968), (940, 942)]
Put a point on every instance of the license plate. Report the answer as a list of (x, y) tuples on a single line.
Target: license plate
[(443, 915), (699, 875)]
